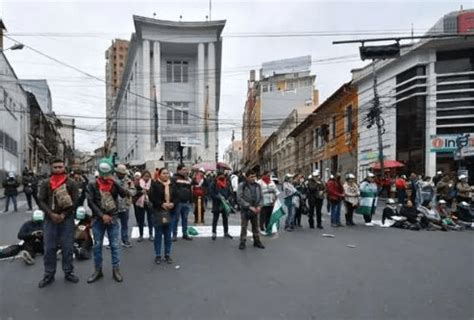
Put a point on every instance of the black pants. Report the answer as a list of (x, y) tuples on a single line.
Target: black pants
[(58, 234), (225, 222), (140, 217), (318, 205), (350, 213), (265, 215), (367, 218), (28, 199), (298, 215)]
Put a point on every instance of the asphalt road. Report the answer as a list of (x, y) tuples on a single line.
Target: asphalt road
[(390, 274)]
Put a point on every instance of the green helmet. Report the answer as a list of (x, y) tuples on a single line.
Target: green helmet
[(106, 167)]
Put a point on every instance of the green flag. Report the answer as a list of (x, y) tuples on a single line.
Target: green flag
[(279, 210)]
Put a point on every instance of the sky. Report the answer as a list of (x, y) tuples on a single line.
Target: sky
[(78, 33)]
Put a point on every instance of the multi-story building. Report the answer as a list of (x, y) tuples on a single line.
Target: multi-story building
[(41, 91), (67, 131), (427, 102), (116, 57), (14, 120), (327, 139), (283, 85), (170, 93), (233, 155)]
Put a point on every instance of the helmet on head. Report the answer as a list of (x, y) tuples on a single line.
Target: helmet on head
[(137, 175), (121, 168), (106, 167), (38, 215), (81, 213), (202, 170), (440, 202), (464, 204), (316, 173), (462, 177), (370, 175), (390, 201), (350, 176)]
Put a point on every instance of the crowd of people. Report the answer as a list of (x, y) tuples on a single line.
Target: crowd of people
[(162, 200)]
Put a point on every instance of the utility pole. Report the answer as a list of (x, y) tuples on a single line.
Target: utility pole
[(377, 118)]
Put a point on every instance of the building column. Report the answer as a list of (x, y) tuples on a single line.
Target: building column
[(211, 82), (201, 97), (157, 84), (430, 157), (145, 101)]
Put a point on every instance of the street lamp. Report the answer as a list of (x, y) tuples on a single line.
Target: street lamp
[(16, 46)]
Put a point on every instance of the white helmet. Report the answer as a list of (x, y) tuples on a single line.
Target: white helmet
[(461, 177), (316, 173), (370, 175), (350, 176), (390, 201), (310, 176)]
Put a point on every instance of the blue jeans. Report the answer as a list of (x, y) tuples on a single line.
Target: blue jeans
[(54, 235), (335, 212), (113, 230), (123, 216), (290, 219), (7, 203), (162, 231), (182, 210)]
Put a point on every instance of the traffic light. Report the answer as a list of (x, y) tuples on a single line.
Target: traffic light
[(380, 52)]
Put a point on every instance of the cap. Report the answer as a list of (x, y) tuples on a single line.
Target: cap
[(442, 201), (38, 215), (121, 168), (202, 170)]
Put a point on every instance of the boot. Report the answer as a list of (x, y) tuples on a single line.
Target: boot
[(47, 280), (117, 275), (95, 276)]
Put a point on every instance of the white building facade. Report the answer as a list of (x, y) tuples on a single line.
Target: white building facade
[(427, 98), (170, 93), (14, 121)]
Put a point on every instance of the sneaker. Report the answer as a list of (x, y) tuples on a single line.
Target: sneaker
[(228, 236), (140, 239), (158, 260), (369, 224), (214, 236), (168, 260), (258, 245), (26, 256), (242, 246), (126, 244)]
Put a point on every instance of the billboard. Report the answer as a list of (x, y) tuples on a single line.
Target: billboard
[(452, 142)]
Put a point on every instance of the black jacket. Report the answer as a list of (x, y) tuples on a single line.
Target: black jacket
[(156, 194), (11, 186), (82, 190), (30, 184), (215, 194), (183, 188), (410, 213), (28, 228), (94, 199), (45, 197)]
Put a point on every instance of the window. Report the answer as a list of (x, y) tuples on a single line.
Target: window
[(177, 113), (333, 128), (265, 88), (177, 71), (349, 119), (317, 137)]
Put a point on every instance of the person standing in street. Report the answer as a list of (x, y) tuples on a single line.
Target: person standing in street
[(316, 190), (250, 198), (102, 199), (184, 200), (30, 187), (289, 192), (200, 188), (351, 198), (142, 205), (10, 186), (368, 201), (220, 189), (335, 195), (463, 190), (162, 195), (270, 192), (57, 196), (401, 187), (124, 203), (81, 182)]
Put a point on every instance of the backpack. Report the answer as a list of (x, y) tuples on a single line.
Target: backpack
[(62, 197), (107, 202)]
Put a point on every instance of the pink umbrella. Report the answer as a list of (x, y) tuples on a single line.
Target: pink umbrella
[(212, 166)]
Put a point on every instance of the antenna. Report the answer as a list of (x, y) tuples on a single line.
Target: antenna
[(210, 9)]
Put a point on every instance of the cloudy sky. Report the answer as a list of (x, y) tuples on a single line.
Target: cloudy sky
[(77, 33)]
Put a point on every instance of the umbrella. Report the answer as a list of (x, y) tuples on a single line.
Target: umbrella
[(388, 164), (212, 166)]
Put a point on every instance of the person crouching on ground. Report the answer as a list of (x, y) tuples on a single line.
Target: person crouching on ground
[(31, 232), (102, 199), (250, 198), (220, 189), (162, 197)]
